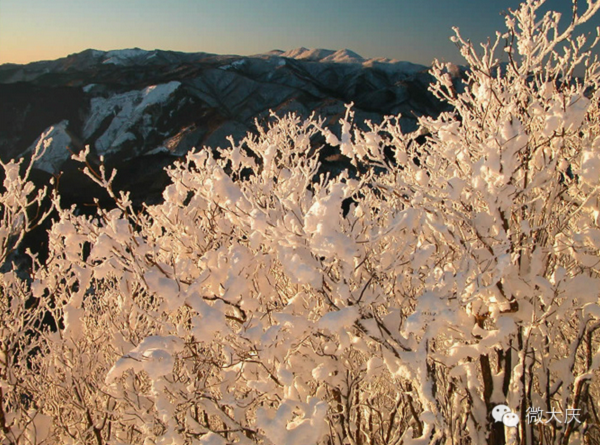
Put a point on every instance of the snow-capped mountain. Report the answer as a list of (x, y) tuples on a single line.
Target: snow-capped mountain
[(143, 109), (324, 55)]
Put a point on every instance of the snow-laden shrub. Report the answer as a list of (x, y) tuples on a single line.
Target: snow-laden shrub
[(248, 308)]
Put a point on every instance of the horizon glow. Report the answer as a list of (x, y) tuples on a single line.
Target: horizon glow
[(417, 32)]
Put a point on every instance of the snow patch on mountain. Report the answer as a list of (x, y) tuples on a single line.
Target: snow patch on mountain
[(57, 143), (324, 55), (128, 109), (344, 56), (235, 65), (123, 56), (315, 54), (349, 56)]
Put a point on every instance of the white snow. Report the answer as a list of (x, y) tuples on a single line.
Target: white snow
[(163, 287), (348, 56), (212, 439), (121, 56), (307, 53), (128, 108), (590, 167), (235, 65), (210, 319), (323, 55), (157, 150), (282, 430), (339, 320), (323, 221), (300, 265), (74, 327), (57, 142), (344, 56), (153, 355), (158, 93)]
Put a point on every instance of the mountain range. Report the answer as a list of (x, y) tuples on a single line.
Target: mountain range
[(141, 109)]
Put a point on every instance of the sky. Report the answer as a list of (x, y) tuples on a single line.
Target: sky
[(417, 31)]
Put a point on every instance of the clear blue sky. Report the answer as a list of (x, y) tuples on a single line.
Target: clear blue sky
[(413, 30)]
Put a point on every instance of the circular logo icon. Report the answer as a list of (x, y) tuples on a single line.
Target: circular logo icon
[(510, 419), (502, 413)]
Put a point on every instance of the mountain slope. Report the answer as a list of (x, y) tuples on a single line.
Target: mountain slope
[(133, 104)]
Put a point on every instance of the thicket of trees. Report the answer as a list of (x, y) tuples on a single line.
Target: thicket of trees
[(249, 308)]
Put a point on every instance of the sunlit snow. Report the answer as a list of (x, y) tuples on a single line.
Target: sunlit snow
[(128, 109)]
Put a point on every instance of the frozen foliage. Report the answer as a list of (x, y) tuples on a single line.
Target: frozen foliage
[(249, 308), (57, 141)]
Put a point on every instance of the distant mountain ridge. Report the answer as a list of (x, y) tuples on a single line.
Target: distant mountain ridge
[(141, 109), (137, 56)]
